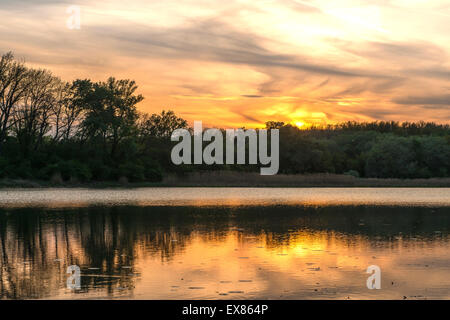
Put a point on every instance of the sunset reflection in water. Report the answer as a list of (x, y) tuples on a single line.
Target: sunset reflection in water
[(214, 252)]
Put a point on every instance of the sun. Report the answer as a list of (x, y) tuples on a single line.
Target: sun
[(299, 124)]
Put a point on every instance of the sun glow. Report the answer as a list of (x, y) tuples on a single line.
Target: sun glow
[(319, 62), (300, 124)]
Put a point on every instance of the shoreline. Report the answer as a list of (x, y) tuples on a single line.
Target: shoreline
[(233, 179)]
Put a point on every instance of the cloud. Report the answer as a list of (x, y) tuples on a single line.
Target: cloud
[(212, 40), (301, 6), (440, 72), (417, 50), (224, 61), (248, 117), (436, 100), (251, 96)]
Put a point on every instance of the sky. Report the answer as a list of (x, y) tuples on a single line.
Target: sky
[(241, 63)]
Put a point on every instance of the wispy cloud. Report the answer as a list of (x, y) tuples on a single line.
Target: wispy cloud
[(245, 62)]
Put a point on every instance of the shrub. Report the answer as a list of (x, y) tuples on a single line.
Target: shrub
[(352, 173), (133, 171), (391, 157), (78, 170), (3, 166), (67, 170), (100, 171), (153, 174), (22, 170)]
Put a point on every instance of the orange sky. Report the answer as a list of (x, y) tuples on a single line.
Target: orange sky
[(242, 62)]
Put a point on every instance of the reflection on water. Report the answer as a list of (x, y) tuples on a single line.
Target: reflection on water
[(225, 252)]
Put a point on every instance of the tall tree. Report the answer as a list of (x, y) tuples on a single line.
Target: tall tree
[(33, 113), (160, 125), (110, 110), (14, 81), (67, 112)]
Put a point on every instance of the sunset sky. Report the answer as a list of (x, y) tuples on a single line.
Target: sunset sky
[(242, 62)]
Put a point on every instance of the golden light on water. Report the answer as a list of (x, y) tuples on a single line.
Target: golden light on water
[(312, 264), (198, 250)]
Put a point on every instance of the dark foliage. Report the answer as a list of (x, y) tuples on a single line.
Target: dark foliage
[(84, 131)]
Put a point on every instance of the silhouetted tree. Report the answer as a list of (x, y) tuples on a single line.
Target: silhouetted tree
[(13, 85), (160, 125), (91, 130), (111, 113)]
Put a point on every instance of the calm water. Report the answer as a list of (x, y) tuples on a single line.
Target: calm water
[(236, 243)]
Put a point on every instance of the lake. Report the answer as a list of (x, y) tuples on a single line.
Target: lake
[(225, 243)]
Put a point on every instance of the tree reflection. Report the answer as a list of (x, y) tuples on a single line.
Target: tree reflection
[(37, 245)]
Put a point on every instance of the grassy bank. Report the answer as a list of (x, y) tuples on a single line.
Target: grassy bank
[(240, 179)]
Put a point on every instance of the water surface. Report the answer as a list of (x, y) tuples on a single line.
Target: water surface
[(225, 196), (237, 243)]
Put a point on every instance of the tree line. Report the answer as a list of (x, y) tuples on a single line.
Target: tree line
[(82, 130), (92, 131)]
